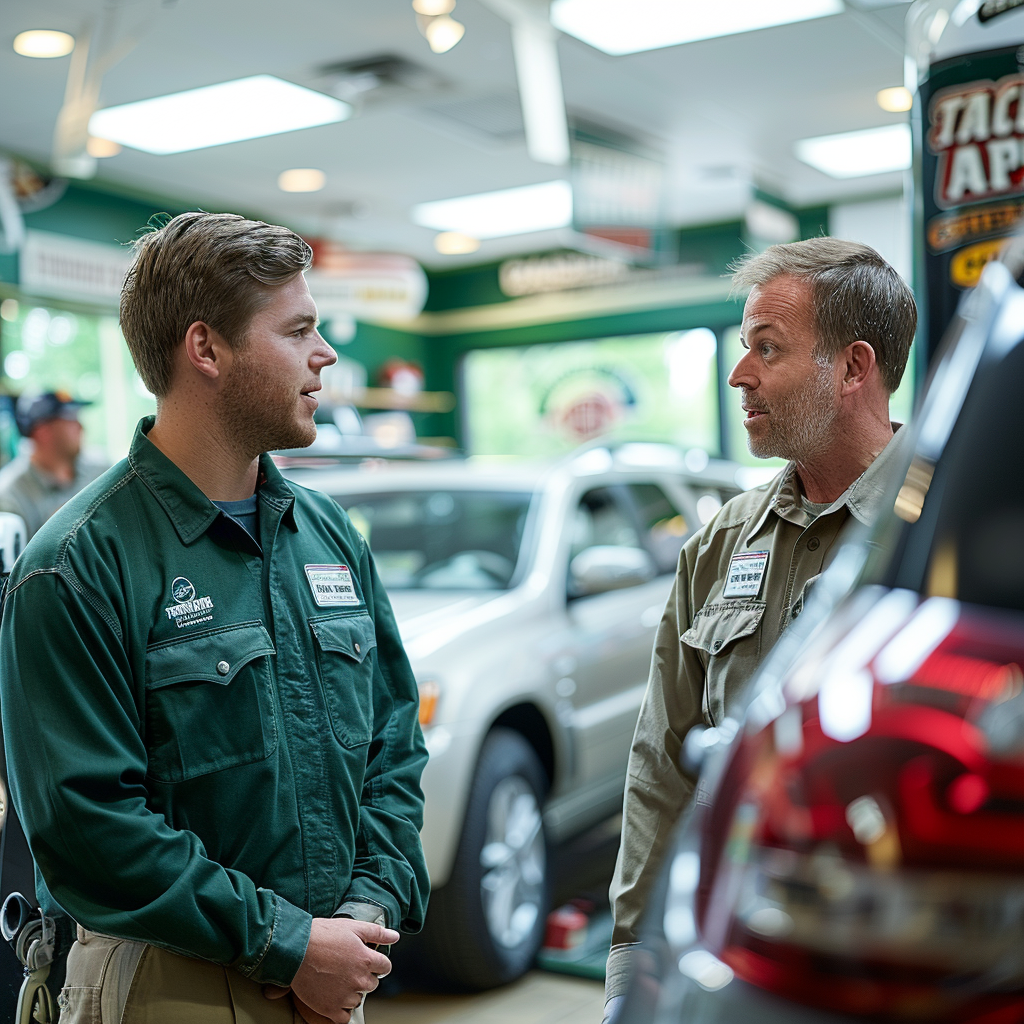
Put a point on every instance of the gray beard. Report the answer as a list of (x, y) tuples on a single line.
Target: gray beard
[(800, 425)]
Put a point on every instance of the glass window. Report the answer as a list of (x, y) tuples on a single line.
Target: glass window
[(547, 399), (443, 539), (601, 520), (664, 526), (45, 348)]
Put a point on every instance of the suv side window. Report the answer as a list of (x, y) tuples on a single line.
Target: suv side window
[(664, 526), (601, 519)]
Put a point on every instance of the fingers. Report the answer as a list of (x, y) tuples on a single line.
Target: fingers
[(375, 934), (275, 991), (379, 965), (310, 1016)]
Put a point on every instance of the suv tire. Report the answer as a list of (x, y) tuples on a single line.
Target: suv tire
[(485, 925)]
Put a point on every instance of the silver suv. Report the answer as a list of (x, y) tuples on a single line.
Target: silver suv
[(527, 598)]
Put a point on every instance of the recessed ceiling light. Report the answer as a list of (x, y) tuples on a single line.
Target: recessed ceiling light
[(630, 26), (443, 33), (895, 100), (454, 243), (43, 42), (432, 8), (101, 148), (512, 211), (856, 154), (247, 108), (301, 179)]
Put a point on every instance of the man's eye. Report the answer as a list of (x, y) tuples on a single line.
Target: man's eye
[(767, 350)]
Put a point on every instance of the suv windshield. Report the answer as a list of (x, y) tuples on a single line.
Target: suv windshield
[(442, 539)]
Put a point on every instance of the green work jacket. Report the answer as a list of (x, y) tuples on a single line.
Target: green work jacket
[(208, 743)]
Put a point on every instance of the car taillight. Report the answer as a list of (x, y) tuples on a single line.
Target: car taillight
[(864, 850)]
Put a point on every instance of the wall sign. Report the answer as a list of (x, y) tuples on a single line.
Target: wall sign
[(61, 267)]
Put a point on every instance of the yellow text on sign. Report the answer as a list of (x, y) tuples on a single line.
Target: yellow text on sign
[(966, 266)]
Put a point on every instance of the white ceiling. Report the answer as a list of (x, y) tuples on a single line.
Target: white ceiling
[(724, 112)]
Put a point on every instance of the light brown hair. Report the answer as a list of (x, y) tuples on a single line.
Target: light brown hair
[(857, 296), (217, 268)]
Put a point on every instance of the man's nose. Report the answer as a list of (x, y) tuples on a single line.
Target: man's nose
[(742, 375), (323, 354)]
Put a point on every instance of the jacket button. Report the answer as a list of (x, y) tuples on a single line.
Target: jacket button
[(356, 648), (223, 668), (813, 544)]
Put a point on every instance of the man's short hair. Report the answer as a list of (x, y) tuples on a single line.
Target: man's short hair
[(857, 296), (217, 268)]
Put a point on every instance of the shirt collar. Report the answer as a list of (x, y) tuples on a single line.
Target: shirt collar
[(863, 497), (190, 511)]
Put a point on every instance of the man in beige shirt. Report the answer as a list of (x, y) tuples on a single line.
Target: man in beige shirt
[(827, 328)]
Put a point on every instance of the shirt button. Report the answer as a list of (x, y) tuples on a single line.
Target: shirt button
[(716, 646), (356, 648), (223, 668), (813, 544)]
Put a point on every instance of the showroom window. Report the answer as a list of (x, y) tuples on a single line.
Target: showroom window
[(548, 399), (46, 348)]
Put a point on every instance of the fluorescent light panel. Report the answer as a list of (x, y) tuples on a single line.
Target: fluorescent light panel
[(512, 211), (630, 26), (857, 154), (247, 108)]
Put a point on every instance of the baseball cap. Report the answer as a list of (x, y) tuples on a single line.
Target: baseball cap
[(31, 410)]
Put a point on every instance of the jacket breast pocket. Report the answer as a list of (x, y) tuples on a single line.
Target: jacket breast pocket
[(209, 702), (345, 664)]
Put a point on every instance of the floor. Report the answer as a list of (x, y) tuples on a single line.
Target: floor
[(581, 868), (538, 998)]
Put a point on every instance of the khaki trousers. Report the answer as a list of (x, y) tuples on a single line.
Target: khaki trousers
[(116, 981)]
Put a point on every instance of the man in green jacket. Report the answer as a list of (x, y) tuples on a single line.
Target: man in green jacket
[(210, 722), (827, 328)]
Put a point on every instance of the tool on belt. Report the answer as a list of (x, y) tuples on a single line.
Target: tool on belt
[(32, 936)]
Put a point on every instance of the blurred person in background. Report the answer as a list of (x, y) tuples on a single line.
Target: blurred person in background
[(35, 484), (210, 723), (827, 328)]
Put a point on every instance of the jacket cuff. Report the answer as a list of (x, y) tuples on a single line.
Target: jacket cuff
[(619, 970), (362, 910), (365, 890), (286, 946)]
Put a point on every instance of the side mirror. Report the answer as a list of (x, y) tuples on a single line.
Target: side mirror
[(607, 567)]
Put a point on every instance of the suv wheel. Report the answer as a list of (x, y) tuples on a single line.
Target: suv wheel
[(485, 926)]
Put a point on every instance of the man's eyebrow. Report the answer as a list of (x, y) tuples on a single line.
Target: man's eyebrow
[(302, 318)]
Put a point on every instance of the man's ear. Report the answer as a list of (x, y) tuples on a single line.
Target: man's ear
[(206, 350), (858, 362)]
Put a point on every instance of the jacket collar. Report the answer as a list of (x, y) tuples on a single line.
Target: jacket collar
[(190, 511)]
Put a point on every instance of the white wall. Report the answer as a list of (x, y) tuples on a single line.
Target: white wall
[(884, 224)]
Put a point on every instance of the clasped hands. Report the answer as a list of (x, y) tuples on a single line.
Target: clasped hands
[(339, 968)]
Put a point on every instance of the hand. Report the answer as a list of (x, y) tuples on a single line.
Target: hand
[(339, 968)]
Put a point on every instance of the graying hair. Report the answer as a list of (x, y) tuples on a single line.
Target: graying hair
[(857, 296)]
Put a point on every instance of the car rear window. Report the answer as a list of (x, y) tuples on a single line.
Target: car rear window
[(442, 539)]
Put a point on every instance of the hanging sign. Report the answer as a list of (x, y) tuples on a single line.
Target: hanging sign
[(367, 286)]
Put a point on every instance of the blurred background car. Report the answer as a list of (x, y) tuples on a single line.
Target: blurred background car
[(527, 596), (857, 837)]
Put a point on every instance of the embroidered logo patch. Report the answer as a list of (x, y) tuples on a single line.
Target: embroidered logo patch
[(331, 585), (188, 610), (745, 574)]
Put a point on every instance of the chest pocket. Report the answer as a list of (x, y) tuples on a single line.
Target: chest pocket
[(209, 702), (718, 625), (345, 664), (716, 630)]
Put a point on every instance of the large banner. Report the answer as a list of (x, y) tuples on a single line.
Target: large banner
[(972, 135)]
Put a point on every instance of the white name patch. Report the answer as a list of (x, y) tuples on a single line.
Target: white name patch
[(745, 574), (331, 584)]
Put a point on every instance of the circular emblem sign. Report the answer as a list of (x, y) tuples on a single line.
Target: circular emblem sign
[(182, 590)]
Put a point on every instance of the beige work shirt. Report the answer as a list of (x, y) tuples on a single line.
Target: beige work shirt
[(709, 644)]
